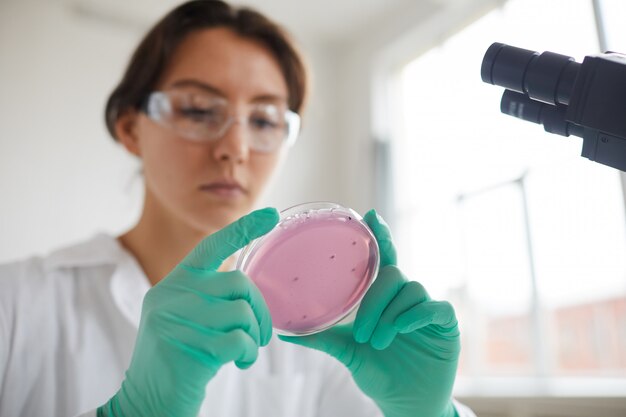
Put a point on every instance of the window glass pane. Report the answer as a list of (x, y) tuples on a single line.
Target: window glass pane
[(614, 15), (524, 284), (498, 278)]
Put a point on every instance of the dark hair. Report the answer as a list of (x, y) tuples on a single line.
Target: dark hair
[(159, 44)]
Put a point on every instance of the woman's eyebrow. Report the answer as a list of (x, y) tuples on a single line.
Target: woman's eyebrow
[(198, 84), (269, 98), (266, 97)]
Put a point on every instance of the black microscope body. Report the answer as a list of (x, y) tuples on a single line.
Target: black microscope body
[(585, 99)]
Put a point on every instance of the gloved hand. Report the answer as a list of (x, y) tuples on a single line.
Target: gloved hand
[(403, 347), (192, 322)]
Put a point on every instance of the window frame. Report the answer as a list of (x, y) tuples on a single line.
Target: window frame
[(384, 86)]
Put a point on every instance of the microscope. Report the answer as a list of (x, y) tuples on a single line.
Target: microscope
[(585, 99)]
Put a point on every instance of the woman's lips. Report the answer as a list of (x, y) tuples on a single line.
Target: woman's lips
[(223, 189)]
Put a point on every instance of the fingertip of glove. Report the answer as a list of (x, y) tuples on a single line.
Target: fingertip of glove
[(361, 334), (266, 214), (243, 365), (378, 347), (400, 324), (371, 216), (289, 339), (378, 344), (262, 221)]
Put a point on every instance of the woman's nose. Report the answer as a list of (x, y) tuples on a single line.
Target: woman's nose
[(233, 145)]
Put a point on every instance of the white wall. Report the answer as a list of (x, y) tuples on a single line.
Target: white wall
[(62, 178)]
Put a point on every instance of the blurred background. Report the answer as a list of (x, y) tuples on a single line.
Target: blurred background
[(526, 238)]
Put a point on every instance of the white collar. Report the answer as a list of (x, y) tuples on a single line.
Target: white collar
[(101, 249), (128, 284)]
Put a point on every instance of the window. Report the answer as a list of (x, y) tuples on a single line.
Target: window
[(613, 12), (523, 235)]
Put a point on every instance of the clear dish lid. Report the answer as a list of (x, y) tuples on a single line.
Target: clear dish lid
[(314, 267)]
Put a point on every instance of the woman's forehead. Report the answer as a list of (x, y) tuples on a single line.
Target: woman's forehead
[(220, 60)]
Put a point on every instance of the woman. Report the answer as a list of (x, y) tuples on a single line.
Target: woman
[(210, 104)]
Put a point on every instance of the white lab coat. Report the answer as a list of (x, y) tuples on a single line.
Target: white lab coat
[(67, 328)]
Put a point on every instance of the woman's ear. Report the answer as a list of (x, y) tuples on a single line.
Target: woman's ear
[(126, 131)]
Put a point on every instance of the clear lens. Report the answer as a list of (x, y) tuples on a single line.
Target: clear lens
[(198, 116), (268, 127), (201, 117)]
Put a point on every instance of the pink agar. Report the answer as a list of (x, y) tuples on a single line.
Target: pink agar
[(313, 269)]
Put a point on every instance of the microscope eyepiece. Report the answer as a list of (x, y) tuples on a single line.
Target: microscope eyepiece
[(545, 77), (553, 118)]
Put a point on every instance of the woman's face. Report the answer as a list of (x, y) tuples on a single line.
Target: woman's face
[(208, 185)]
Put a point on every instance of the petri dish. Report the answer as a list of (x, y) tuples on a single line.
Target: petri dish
[(314, 267)]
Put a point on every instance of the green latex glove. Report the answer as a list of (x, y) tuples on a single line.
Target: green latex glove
[(403, 347), (192, 322)]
